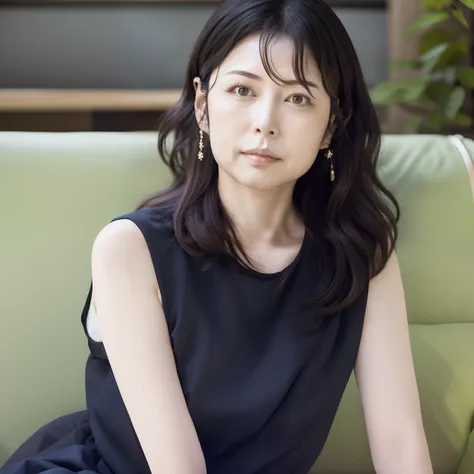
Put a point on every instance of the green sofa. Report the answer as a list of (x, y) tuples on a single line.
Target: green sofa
[(58, 190)]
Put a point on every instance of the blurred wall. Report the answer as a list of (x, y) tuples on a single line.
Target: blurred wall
[(142, 46)]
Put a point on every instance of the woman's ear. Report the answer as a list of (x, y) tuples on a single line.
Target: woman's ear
[(200, 106), (326, 143)]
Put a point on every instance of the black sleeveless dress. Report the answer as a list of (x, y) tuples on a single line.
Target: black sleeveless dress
[(262, 391)]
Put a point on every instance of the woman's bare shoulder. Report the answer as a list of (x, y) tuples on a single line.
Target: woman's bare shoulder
[(120, 252)]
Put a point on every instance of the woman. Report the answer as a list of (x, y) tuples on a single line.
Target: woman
[(229, 310)]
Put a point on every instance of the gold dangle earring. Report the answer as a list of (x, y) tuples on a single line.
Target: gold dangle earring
[(201, 146), (329, 156)]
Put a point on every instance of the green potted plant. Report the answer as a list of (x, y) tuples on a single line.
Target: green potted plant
[(437, 91)]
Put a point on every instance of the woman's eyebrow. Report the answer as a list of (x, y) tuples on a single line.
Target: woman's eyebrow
[(251, 75)]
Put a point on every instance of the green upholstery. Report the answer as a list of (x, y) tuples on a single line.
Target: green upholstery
[(467, 463), (58, 190)]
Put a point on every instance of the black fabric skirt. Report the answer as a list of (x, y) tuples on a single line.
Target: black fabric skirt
[(63, 446)]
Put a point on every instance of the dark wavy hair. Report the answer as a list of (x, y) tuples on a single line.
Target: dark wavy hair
[(353, 220)]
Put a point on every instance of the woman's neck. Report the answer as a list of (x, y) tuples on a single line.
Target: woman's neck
[(261, 216)]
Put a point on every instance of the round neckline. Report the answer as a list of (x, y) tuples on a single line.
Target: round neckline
[(270, 276)]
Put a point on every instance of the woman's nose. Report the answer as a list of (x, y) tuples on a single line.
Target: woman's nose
[(265, 121)]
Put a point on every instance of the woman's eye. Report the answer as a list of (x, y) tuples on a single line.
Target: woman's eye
[(243, 91), (239, 90), (300, 99)]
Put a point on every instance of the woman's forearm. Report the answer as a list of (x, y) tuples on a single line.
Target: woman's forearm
[(405, 456)]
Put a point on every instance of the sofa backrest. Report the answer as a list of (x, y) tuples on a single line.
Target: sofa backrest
[(432, 177), (58, 190), (431, 181)]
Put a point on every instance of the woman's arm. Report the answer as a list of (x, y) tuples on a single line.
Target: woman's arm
[(135, 335), (386, 380)]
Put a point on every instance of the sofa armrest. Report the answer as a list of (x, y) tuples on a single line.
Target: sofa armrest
[(467, 462)]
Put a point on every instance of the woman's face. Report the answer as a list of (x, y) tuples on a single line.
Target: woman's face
[(248, 110)]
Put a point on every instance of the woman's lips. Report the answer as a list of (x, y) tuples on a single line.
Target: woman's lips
[(260, 159)]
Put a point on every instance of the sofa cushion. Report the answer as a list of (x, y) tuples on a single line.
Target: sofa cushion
[(436, 244), (58, 190), (444, 362)]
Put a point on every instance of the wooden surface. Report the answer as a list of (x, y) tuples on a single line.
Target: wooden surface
[(46, 122), (72, 100)]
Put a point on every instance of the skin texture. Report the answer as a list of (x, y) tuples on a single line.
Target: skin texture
[(261, 113), (386, 380), (257, 112)]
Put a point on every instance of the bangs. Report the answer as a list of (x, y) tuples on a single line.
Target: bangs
[(299, 55)]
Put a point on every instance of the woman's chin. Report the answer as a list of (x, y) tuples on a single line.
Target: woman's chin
[(260, 182)]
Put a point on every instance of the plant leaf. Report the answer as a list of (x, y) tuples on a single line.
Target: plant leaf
[(386, 93), (406, 64), (453, 55), (447, 75), (462, 120), (413, 88), (432, 38), (425, 102), (444, 55), (459, 15), (455, 102), (436, 4), (433, 56), (466, 76), (438, 92), (435, 122), (428, 20), (468, 3)]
